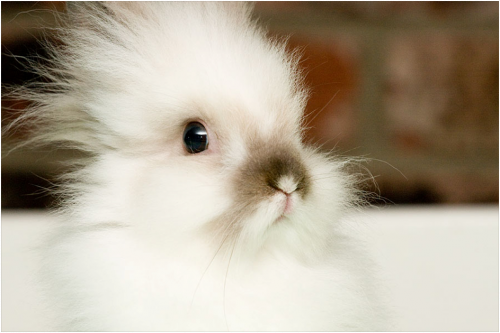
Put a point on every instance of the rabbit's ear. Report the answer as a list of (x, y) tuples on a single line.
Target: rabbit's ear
[(240, 10), (124, 9), (76, 8), (89, 13), (120, 9)]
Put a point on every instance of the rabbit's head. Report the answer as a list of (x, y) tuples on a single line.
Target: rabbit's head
[(193, 119)]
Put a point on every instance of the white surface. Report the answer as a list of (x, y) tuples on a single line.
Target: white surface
[(440, 265)]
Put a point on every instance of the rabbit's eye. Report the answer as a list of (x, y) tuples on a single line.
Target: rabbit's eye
[(195, 138)]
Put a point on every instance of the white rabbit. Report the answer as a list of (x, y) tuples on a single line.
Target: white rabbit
[(199, 208)]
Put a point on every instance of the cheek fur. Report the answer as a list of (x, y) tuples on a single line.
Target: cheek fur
[(259, 188), (177, 199)]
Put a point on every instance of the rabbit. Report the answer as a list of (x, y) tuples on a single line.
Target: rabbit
[(197, 205)]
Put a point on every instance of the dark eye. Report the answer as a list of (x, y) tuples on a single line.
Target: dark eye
[(195, 138)]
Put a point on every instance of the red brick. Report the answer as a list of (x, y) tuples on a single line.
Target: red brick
[(332, 70), (441, 93), (398, 11)]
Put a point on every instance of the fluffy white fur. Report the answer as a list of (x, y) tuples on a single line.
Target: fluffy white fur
[(136, 252)]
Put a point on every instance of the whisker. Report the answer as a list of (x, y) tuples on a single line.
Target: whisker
[(225, 281), (322, 109), (392, 166), (208, 266), (226, 236)]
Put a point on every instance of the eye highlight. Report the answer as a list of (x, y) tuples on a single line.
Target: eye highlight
[(195, 138)]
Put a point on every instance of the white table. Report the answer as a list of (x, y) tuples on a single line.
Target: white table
[(440, 264)]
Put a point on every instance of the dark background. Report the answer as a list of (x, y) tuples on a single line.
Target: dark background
[(415, 86)]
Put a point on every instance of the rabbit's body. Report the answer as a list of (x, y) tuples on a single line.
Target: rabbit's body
[(111, 270), (117, 284), (200, 208)]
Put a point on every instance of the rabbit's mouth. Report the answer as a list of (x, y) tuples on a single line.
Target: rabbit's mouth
[(287, 203)]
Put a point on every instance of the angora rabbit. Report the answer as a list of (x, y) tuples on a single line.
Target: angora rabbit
[(199, 208)]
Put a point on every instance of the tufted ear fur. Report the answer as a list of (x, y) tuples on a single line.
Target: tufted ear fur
[(102, 72)]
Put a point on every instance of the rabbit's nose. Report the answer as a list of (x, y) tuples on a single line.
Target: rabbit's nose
[(271, 169), (284, 172), (286, 184)]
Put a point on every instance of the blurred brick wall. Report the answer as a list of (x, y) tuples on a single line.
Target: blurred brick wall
[(415, 85), (411, 85)]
